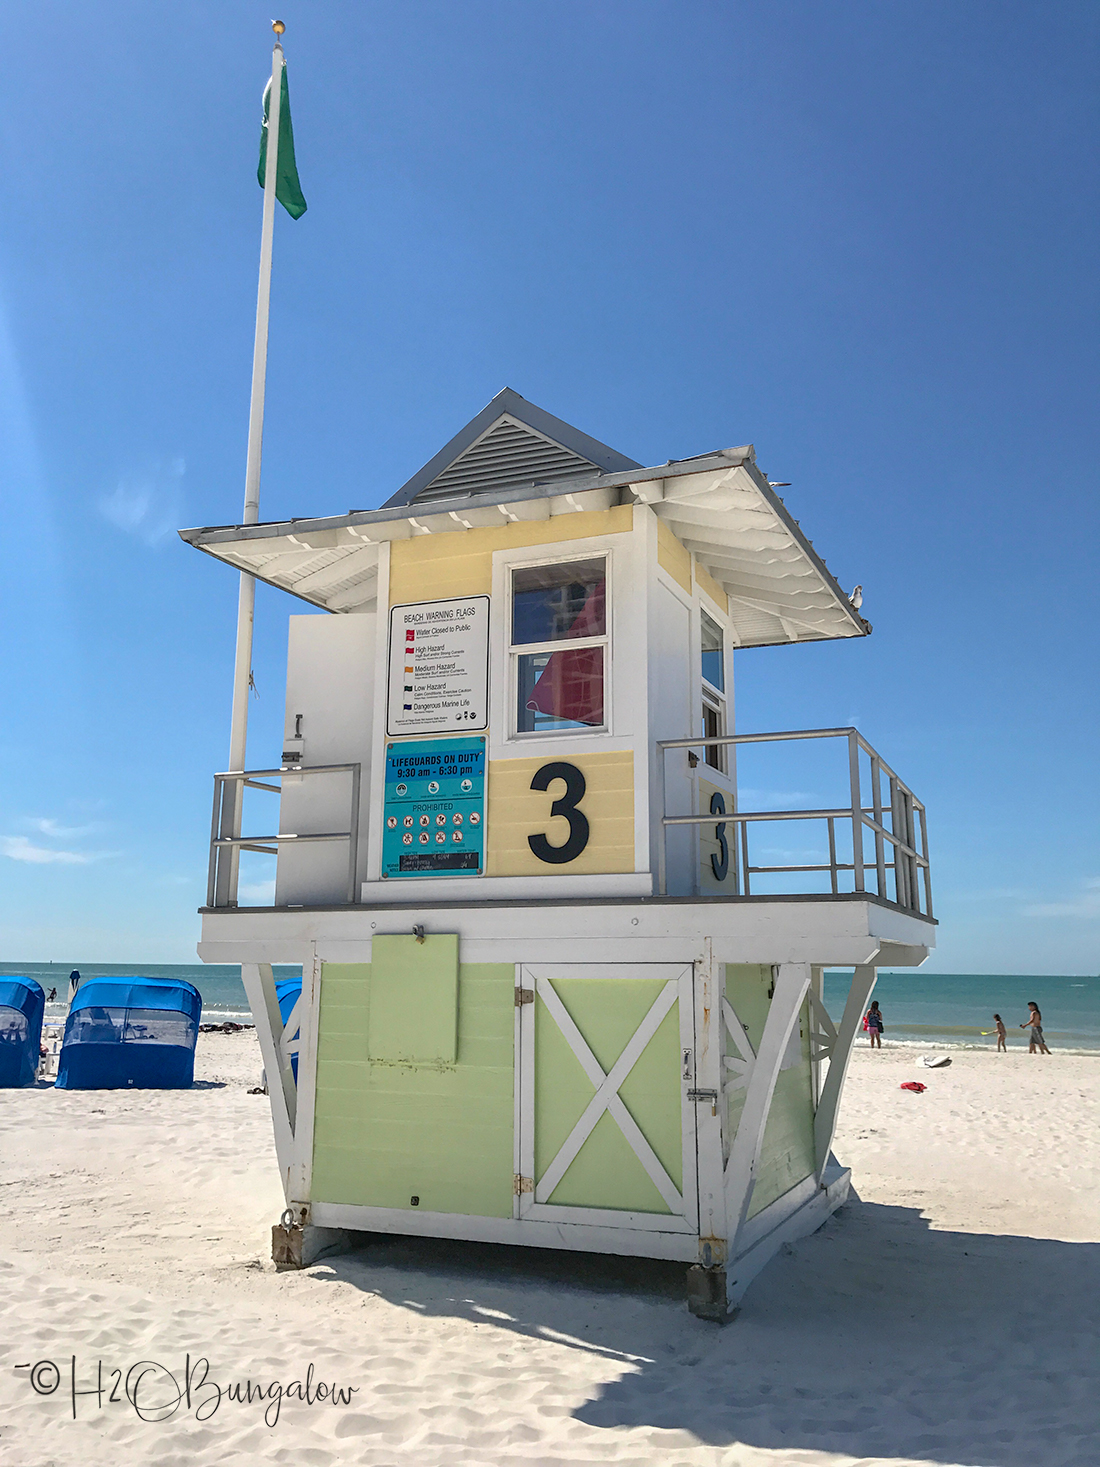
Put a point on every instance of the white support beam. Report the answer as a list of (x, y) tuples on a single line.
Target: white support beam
[(259, 987), (300, 1180), (349, 566), (859, 994), (791, 982)]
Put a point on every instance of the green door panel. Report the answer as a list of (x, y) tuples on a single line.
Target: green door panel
[(387, 1130), (606, 1173)]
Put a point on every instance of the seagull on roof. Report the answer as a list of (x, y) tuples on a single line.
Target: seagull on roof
[(856, 598)]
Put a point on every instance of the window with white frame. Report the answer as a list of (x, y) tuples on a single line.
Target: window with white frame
[(559, 648), (714, 687)]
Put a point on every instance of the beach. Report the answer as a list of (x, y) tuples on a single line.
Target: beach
[(945, 1316)]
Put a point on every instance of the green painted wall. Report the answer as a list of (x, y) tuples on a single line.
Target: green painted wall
[(787, 1155), (386, 1131), (606, 1172)]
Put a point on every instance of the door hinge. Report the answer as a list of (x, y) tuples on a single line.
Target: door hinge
[(521, 1185), (524, 995)]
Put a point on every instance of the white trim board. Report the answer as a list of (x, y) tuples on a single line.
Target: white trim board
[(506, 888), (526, 1232)]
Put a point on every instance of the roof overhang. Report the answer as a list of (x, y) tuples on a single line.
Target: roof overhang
[(720, 506)]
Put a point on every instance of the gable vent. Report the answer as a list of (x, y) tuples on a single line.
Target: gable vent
[(509, 456)]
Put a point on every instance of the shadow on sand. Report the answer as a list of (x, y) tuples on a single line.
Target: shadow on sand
[(876, 1337)]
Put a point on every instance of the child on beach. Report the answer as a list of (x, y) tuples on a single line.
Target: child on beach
[(1002, 1035), (874, 1025), (1036, 1044)]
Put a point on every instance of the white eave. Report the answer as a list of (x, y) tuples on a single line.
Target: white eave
[(719, 506)]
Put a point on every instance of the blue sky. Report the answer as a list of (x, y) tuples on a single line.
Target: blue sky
[(862, 237)]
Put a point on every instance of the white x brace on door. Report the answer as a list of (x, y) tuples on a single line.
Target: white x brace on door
[(605, 1062)]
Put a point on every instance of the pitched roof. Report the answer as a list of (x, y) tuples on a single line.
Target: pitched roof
[(511, 444), (515, 462)]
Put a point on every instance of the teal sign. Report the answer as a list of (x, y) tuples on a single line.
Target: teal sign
[(433, 822)]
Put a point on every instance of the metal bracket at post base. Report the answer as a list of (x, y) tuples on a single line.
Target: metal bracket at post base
[(296, 1243)]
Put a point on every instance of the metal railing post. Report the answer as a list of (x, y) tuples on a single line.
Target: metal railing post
[(880, 849), (662, 844), (229, 827), (832, 855), (927, 864), (212, 867), (745, 854), (353, 836), (857, 809), (901, 883), (912, 868)]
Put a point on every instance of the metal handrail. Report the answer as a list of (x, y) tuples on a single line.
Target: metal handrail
[(226, 838), (907, 815)]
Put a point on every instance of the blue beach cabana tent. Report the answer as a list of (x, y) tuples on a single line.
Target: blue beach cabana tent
[(22, 1004), (130, 1032), (288, 991)]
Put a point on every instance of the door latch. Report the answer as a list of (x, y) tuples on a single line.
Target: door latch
[(711, 1095)]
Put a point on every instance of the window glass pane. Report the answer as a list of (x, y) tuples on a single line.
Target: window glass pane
[(713, 667), (552, 602), (95, 1026), (712, 729), (559, 690), (13, 1025), (158, 1026)]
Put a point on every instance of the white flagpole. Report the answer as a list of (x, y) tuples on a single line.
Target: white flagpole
[(242, 671)]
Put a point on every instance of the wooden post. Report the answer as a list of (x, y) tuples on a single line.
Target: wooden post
[(709, 1127)]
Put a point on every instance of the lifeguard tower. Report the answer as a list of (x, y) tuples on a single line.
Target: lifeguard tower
[(553, 992)]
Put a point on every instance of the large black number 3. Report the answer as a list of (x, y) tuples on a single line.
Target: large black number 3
[(719, 864), (567, 806)]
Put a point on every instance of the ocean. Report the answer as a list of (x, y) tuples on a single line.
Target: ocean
[(949, 1010), (220, 984), (929, 1010)]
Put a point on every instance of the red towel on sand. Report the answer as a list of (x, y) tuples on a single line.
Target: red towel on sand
[(914, 1085)]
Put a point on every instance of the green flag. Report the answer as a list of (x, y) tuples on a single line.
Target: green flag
[(288, 190)]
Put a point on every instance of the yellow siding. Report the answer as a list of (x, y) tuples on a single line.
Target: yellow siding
[(434, 567), (516, 811), (706, 582), (672, 557)]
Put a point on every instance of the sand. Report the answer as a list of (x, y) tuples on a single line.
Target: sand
[(947, 1317)]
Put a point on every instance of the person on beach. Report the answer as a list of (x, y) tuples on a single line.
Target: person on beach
[(1002, 1034), (52, 995), (1036, 1044), (874, 1025)]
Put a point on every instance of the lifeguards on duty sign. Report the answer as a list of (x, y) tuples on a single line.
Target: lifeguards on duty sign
[(433, 823)]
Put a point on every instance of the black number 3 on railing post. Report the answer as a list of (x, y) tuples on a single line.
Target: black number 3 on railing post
[(567, 806)]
